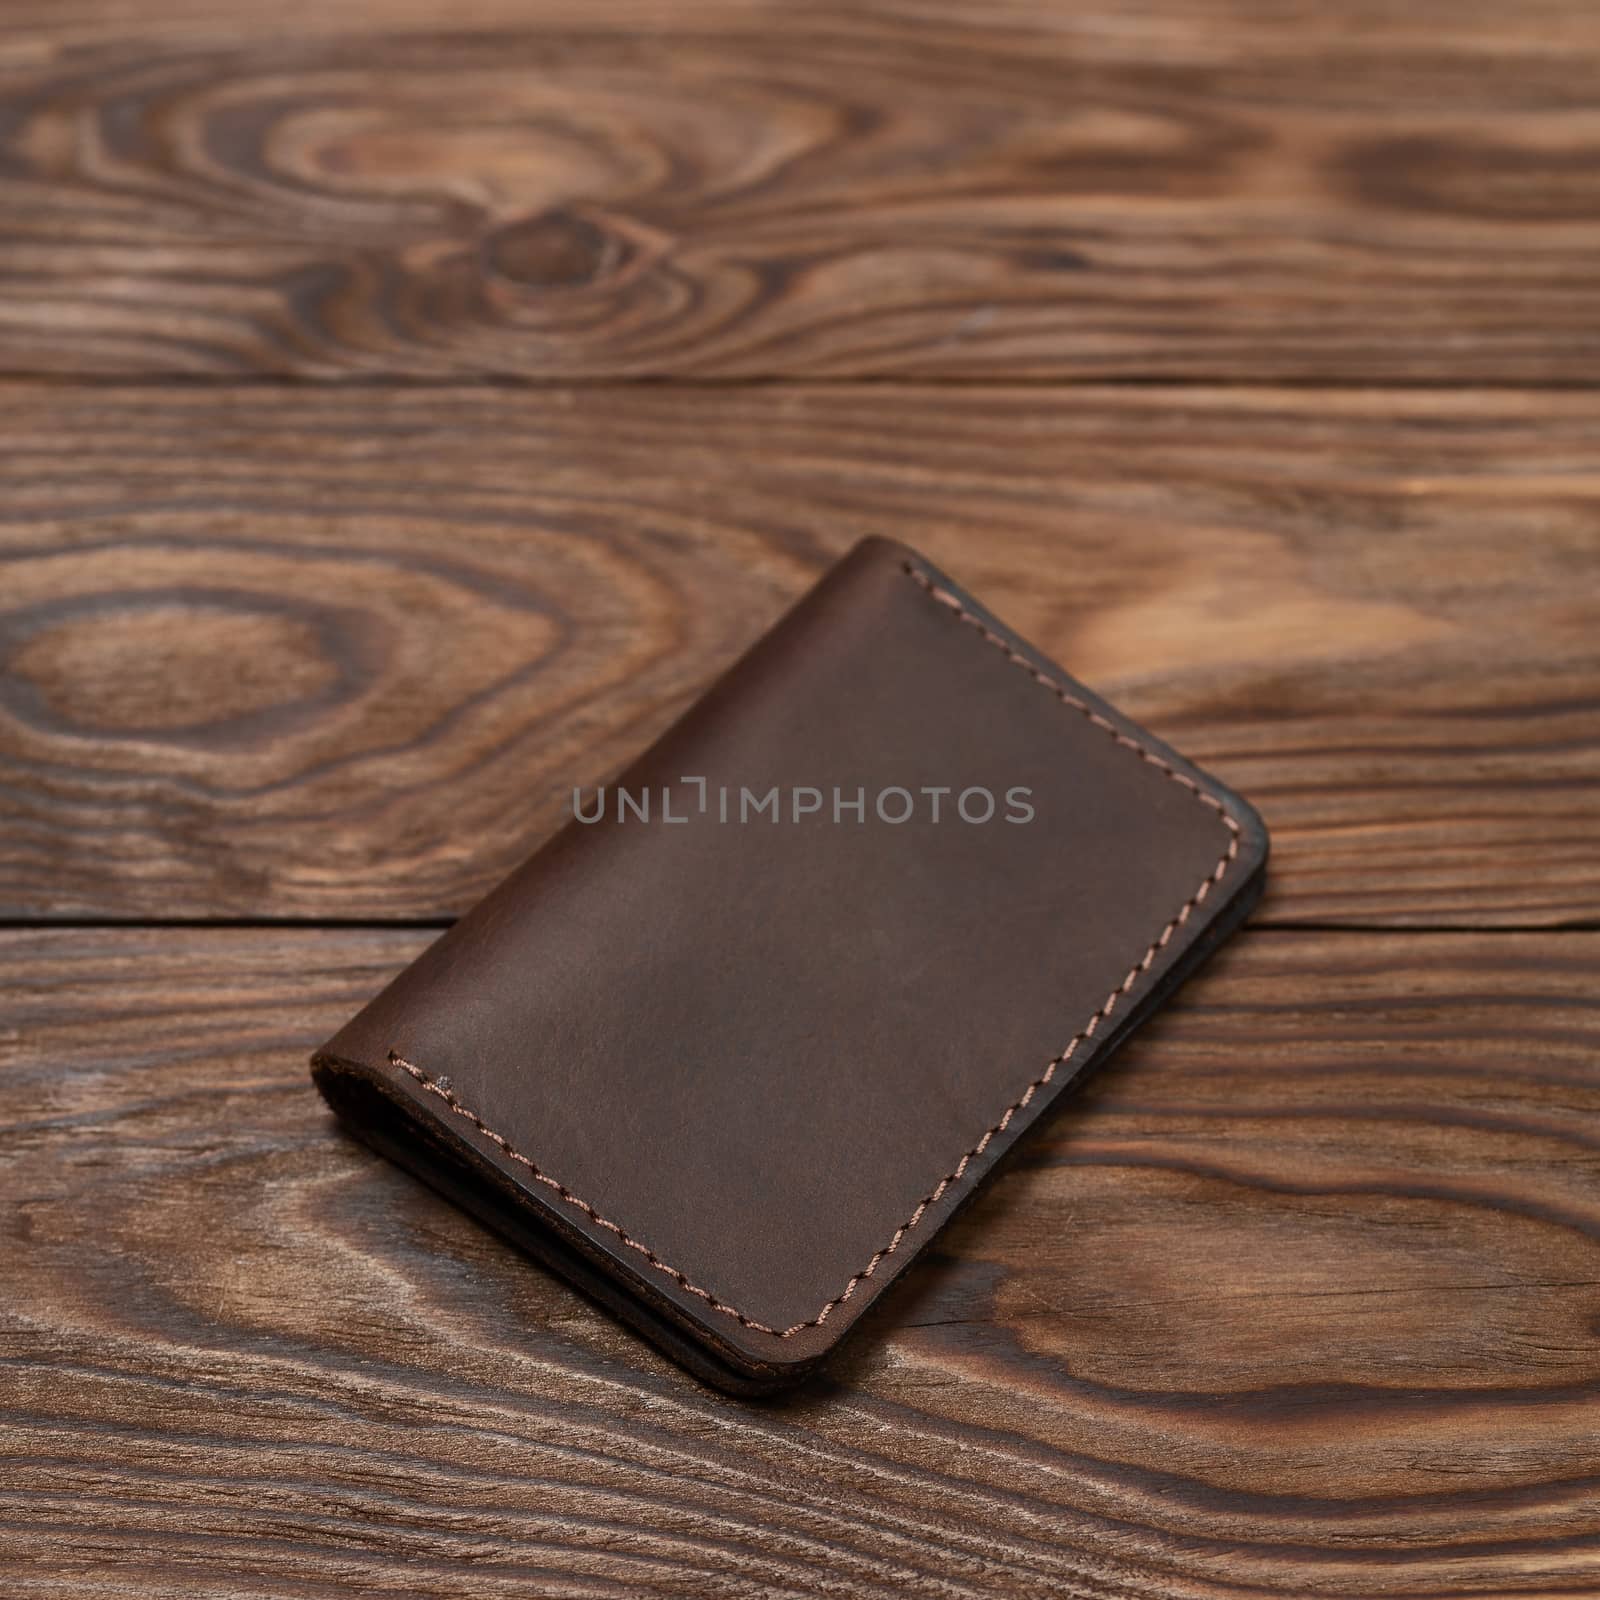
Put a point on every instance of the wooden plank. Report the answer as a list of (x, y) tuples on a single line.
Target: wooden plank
[(559, 189), (344, 654), (1300, 1299)]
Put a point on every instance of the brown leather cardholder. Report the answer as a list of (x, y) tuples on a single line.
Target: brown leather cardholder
[(733, 1046)]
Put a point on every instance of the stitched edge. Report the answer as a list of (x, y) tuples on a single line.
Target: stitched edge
[(441, 1087)]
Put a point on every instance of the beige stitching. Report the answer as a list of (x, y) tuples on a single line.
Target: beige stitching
[(441, 1087)]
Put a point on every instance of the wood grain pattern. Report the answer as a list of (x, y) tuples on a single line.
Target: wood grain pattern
[(1300, 1299), (1304, 1298), (344, 654), (1179, 188)]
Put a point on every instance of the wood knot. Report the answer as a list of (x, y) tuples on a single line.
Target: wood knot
[(558, 249)]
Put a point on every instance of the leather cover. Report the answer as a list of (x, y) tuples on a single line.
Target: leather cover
[(731, 1077)]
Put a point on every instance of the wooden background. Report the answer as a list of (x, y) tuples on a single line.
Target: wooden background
[(405, 408)]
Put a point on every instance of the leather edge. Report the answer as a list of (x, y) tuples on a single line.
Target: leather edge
[(377, 1106)]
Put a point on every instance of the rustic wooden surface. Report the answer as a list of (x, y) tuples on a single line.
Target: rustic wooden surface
[(1300, 1298), (437, 611), (1243, 355), (560, 188)]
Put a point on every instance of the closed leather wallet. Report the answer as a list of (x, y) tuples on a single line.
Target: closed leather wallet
[(732, 1047)]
